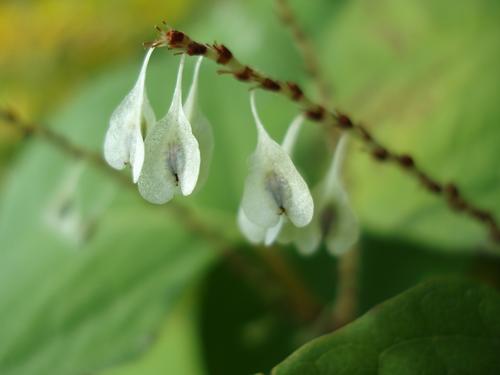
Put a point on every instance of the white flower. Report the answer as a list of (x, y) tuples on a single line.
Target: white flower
[(202, 130), (334, 220), (124, 143), (274, 190), (172, 154), (67, 214)]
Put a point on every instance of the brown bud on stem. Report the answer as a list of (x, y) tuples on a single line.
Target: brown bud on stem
[(270, 85), (380, 153), (175, 38), (344, 121), (194, 48), (316, 114), (224, 55), (297, 93)]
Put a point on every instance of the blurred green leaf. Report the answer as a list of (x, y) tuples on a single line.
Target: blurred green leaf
[(390, 265), (176, 350), (242, 330), (424, 76), (73, 304), (88, 270), (437, 327)]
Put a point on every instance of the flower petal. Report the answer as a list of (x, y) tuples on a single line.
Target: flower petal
[(121, 136), (273, 232), (252, 232), (334, 220), (274, 186), (344, 230), (136, 154), (345, 233), (292, 134), (148, 116), (333, 178), (63, 215), (191, 104), (202, 130), (172, 155), (156, 183), (309, 239)]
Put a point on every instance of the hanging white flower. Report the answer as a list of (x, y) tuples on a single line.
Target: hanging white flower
[(67, 215), (202, 130), (172, 155), (124, 140), (274, 190), (334, 220)]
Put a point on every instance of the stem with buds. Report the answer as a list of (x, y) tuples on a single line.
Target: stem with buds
[(179, 42)]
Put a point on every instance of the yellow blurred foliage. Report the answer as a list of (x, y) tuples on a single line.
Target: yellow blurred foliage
[(48, 45)]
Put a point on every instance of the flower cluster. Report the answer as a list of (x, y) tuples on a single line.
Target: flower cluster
[(170, 156)]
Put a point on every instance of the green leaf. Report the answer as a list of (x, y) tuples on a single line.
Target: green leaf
[(241, 330), (389, 266), (176, 349), (423, 75), (437, 327), (455, 355), (115, 289)]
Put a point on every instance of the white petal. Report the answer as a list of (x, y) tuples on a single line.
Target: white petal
[(172, 155), (148, 115), (309, 240), (345, 233), (202, 130), (292, 134), (136, 154), (274, 186), (333, 216), (121, 135), (252, 232), (333, 178), (63, 214), (273, 232), (257, 201), (257, 234), (192, 99)]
